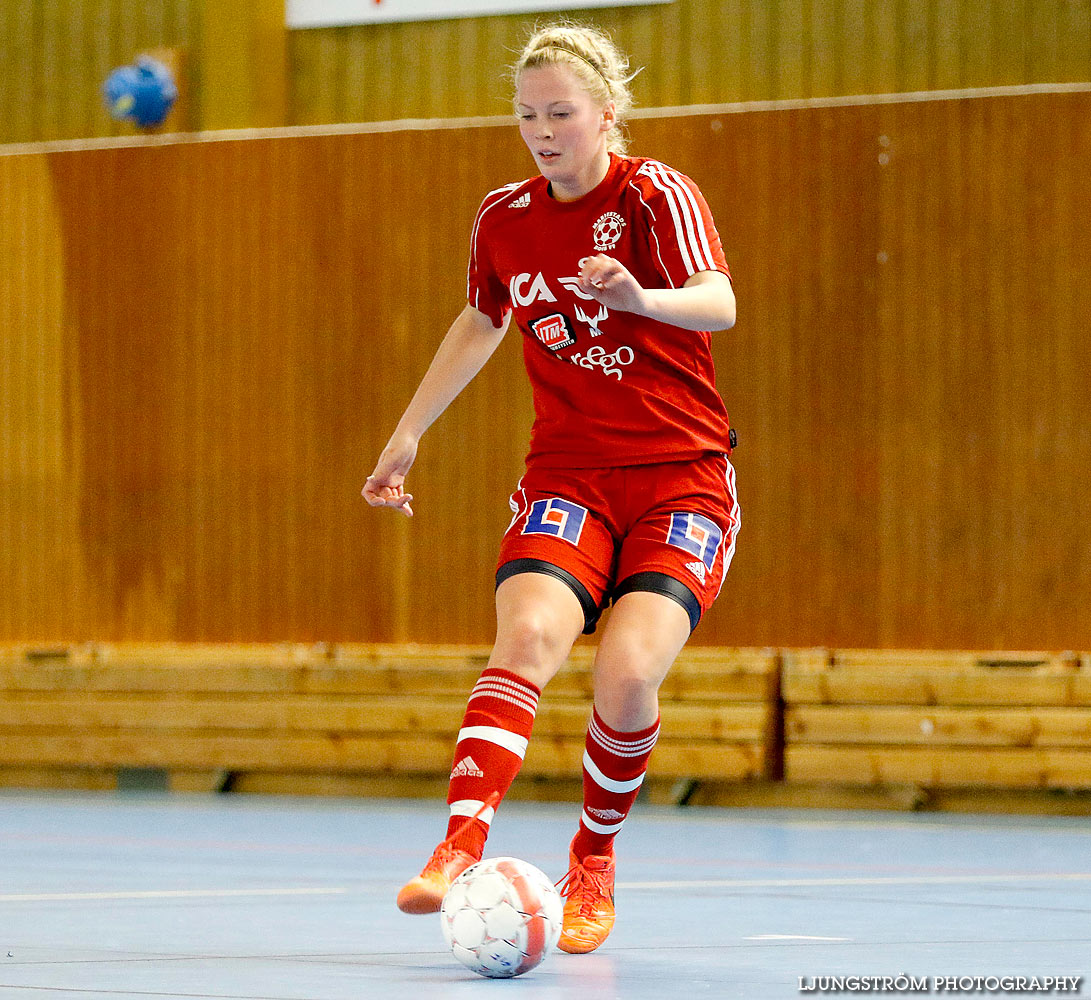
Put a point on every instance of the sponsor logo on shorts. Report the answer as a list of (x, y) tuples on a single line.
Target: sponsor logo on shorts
[(697, 535), (554, 331), (557, 517)]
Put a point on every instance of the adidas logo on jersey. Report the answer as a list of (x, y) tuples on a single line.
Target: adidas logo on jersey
[(697, 569), (467, 768), (523, 201)]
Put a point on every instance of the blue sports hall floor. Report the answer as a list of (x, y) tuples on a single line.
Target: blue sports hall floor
[(245, 898)]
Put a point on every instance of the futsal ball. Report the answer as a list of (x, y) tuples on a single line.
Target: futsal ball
[(501, 917), (142, 93)]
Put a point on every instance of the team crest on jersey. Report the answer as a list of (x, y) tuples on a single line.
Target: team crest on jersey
[(697, 535), (554, 331), (607, 230), (558, 517)]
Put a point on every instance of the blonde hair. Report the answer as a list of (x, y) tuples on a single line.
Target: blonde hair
[(600, 66)]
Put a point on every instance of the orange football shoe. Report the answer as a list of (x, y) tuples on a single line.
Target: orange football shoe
[(424, 894), (589, 903)]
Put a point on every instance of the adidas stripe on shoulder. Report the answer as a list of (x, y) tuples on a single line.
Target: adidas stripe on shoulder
[(683, 219)]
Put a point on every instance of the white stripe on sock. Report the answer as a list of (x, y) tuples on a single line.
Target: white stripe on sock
[(609, 784), (622, 748), (468, 807), (517, 702), (493, 734), (506, 691)]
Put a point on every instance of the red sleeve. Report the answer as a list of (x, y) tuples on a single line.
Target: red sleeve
[(484, 289), (682, 234)]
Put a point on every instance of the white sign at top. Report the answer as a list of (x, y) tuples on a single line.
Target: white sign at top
[(325, 13)]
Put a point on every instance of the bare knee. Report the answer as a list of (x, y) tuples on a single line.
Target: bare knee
[(627, 680), (531, 647), (538, 620), (644, 635), (627, 699)]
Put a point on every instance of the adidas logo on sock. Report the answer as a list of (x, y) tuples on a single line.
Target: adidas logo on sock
[(606, 814), (467, 768), (697, 569), (523, 201)]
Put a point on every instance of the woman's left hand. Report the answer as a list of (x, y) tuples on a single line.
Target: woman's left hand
[(608, 281)]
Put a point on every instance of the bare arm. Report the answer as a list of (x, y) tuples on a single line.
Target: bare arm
[(705, 302), (470, 342)]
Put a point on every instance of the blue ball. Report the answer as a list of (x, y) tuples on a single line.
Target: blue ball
[(142, 93)]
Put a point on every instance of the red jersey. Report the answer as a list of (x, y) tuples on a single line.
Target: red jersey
[(610, 388)]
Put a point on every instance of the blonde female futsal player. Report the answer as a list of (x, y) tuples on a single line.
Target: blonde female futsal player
[(614, 272)]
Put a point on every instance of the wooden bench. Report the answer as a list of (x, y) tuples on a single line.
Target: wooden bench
[(349, 719), (740, 726), (937, 720)]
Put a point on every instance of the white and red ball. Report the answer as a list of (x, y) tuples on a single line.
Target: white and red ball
[(501, 917)]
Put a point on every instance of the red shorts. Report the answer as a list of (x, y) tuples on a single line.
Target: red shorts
[(668, 528)]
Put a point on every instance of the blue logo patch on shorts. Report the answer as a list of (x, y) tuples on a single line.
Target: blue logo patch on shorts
[(557, 517), (697, 535)]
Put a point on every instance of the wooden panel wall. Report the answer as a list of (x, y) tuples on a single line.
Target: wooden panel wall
[(206, 345), (702, 51), (55, 56), (242, 320), (38, 531)]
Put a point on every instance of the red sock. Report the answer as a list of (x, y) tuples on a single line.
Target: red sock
[(613, 769), (491, 744)]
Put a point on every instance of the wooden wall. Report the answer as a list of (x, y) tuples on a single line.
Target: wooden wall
[(54, 57), (909, 358), (702, 51), (206, 344)]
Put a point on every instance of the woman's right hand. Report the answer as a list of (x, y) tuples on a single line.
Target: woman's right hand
[(385, 486)]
